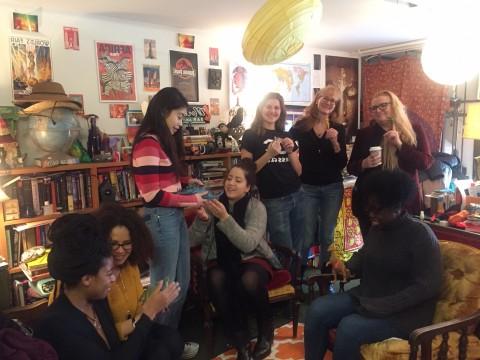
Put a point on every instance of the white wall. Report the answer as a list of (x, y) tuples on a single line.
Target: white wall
[(77, 70)]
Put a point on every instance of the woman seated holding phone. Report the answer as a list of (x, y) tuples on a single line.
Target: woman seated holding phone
[(240, 261), (80, 324)]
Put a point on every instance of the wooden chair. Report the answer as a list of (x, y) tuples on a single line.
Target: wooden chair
[(282, 293), (455, 331)]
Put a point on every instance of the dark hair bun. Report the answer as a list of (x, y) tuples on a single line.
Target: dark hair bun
[(77, 248)]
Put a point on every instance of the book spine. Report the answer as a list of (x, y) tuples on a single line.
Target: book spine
[(81, 185), (35, 197)]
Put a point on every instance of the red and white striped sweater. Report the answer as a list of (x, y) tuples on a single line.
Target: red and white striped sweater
[(155, 176)]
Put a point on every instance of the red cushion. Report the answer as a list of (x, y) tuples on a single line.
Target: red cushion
[(280, 278)]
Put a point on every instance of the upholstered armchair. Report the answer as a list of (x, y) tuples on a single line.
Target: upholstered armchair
[(457, 315)]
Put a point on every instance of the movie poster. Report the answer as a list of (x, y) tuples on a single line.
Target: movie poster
[(70, 38), (184, 73), (343, 73), (31, 64), (151, 77), (116, 75)]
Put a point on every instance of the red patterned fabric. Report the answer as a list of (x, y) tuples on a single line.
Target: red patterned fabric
[(405, 77)]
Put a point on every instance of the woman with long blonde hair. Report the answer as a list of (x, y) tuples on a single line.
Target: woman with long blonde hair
[(323, 157), (404, 146)]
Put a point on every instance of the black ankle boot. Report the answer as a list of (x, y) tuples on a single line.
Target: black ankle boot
[(263, 347), (243, 353)]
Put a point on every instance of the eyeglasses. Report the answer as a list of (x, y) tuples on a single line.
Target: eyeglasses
[(381, 106), (127, 245), (328, 100)]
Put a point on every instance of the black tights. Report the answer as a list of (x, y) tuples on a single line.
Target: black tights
[(234, 298)]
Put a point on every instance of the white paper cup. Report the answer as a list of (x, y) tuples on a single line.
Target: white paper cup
[(374, 150)]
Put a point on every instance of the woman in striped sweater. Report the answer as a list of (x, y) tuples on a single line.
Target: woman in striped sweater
[(159, 170)]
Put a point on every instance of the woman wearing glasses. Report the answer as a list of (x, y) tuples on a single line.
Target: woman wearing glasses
[(132, 247), (323, 157), (404, 146)]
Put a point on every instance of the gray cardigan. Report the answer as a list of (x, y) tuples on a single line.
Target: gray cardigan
[(251, 240)]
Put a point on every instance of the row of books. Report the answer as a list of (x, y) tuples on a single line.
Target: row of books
[(122, 182), (23, 237), (66, 191), (211, 172)]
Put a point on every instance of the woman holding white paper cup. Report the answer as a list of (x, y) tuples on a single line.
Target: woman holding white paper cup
[(403, 145)]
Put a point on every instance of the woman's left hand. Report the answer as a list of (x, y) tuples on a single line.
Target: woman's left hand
[(217, 209), (393, 137), (288, 145), (194, 181)]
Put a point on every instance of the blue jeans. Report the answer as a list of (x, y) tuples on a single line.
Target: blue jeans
[(171, 256), (286, 221), (353, 330), (322, 204)]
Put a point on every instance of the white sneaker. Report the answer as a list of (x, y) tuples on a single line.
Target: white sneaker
[(190, 350)]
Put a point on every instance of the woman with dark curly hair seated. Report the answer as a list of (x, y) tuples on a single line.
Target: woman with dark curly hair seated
[(400, 270), (79, 324)]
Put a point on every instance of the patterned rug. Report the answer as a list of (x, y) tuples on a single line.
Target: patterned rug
[(284, 347)]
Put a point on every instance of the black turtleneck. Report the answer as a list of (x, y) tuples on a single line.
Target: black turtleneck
[(401, 271)]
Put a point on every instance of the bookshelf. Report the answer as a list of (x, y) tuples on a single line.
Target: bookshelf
[(92, 170), (213, 164)]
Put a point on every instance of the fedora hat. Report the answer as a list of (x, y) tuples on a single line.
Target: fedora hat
[(47, 95)]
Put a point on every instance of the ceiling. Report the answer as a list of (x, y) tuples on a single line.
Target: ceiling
[(347, 25)]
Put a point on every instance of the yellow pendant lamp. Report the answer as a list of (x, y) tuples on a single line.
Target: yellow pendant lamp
[(277, 30)]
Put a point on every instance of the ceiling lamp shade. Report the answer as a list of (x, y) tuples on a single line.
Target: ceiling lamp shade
[(471, 129), (276, 32)]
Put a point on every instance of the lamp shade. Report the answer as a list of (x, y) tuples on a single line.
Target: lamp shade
[(276, 32), (471, 129)]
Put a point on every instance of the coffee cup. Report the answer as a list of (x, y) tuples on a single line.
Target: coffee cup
[(376, 150)]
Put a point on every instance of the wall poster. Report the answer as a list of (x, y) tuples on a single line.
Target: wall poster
[(184, 73), (116, 74), (31, 64), (343, 73)]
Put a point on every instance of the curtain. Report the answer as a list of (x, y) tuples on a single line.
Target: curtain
[(404, 76)]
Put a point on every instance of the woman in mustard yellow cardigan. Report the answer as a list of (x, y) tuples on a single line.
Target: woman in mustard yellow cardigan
[(131, 246)]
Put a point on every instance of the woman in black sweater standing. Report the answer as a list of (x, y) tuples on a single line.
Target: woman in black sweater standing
[(322, 156)]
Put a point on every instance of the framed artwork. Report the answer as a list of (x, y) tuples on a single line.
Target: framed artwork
[(116, 72), (293, 82), (151, 77), (118, 111), (79, 98), (25, 22), (215, 79), (343, 73), (197, 114), (70, 38), (184, 73), (134, 118), (150, 48), (213, 56), (186, 41), (31, 64), (215, 106)]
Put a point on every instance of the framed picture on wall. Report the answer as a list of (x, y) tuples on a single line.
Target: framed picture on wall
[(31, 63), (134, 118), (184, 73), (293, 81), (215, 79), (343, 73), (116, 72)]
